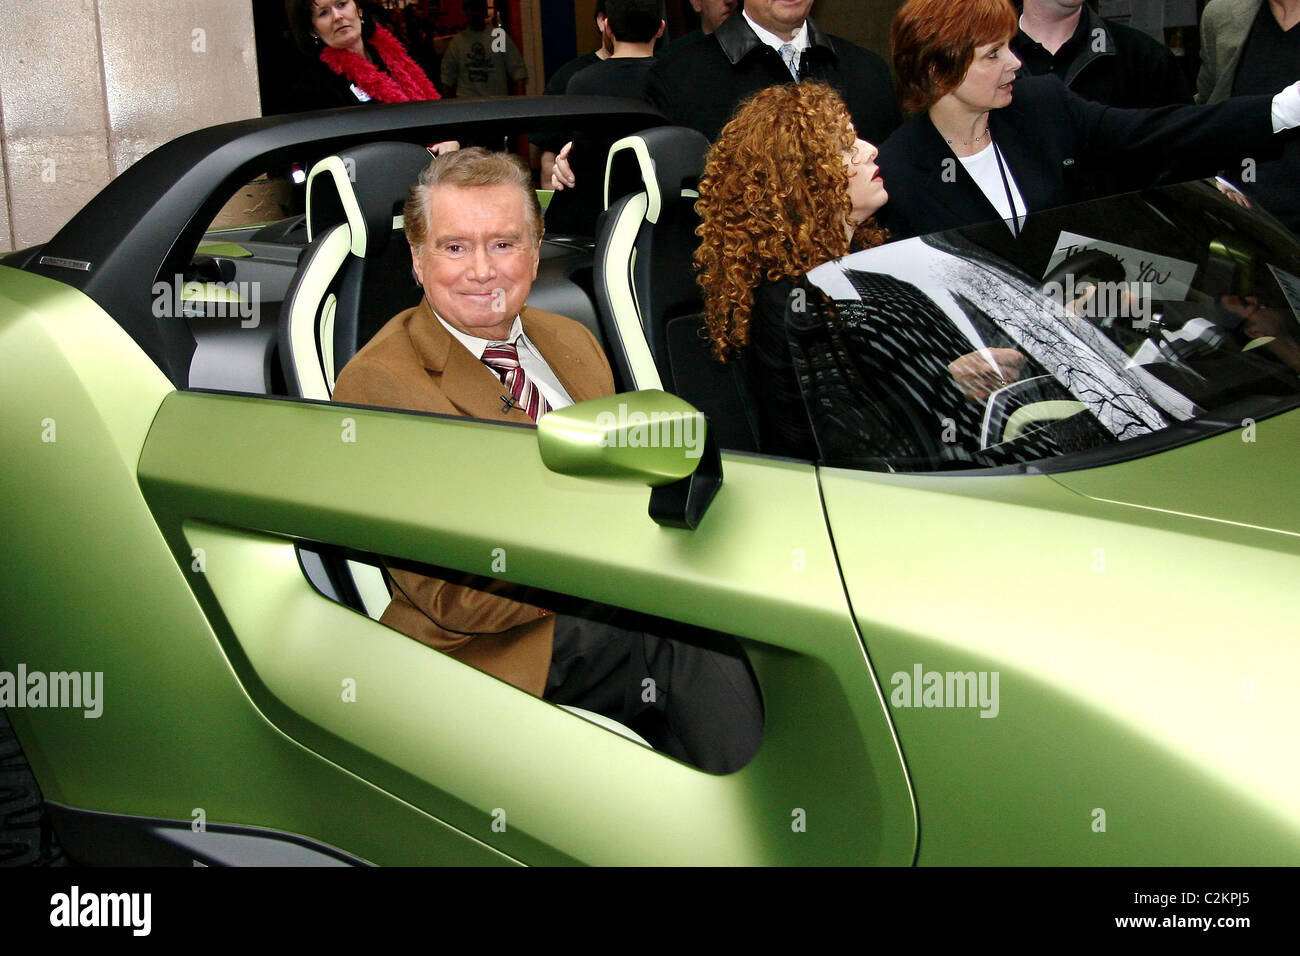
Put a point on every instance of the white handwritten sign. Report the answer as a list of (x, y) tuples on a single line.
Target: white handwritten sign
[(1290, 287), (1170, 278)]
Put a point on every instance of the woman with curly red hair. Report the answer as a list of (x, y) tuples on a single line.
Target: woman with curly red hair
[(786, 187)]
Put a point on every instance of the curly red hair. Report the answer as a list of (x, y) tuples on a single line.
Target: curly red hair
[(774, 202)]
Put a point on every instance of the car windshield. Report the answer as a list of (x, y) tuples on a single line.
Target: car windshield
[(1106, 330)]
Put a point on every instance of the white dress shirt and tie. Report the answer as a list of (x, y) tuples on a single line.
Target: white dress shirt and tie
[(530, 371), (791, 50)]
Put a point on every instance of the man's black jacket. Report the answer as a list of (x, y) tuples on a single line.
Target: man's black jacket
[(700, 84), (1109, 63)]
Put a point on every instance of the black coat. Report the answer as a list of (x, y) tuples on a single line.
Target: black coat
[(320, 88), (1053, 141), (1110, 63), (700, 84)]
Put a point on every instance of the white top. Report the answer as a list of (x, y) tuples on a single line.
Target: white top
[(983, 168), (800, 41), (530, 360), (1286, 108)]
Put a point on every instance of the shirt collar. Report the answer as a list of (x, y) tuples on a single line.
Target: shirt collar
[(476, 345), (800, 41)]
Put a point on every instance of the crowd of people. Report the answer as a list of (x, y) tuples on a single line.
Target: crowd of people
[(1008, 112)]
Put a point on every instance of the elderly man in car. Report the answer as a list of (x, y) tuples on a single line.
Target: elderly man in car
[(472, 348)]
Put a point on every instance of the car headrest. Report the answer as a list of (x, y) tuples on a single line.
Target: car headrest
[(664, 161), (362, 186)]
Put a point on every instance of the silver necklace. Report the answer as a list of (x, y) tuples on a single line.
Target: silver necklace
[(970, 142)]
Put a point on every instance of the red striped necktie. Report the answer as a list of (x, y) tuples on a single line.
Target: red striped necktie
[(503, 358)]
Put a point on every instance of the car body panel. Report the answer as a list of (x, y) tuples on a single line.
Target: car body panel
[(1244, 477), (1151, 697), (89, 585)]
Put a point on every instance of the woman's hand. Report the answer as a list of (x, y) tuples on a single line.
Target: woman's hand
[(562, 174), (446, 146), (977, 379)]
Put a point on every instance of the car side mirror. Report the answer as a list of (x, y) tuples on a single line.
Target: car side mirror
[(649, 437)]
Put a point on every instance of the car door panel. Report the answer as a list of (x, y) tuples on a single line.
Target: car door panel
[(242, 478)]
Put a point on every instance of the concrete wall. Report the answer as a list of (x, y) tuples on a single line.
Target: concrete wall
[(87, 87)]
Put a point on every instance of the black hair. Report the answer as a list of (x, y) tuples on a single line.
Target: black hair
[(634, 21)]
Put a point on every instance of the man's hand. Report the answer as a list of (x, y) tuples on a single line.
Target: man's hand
[(977, 379), (562, 173), (446, 146)]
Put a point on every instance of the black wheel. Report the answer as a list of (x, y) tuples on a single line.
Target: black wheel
[(26, 838)]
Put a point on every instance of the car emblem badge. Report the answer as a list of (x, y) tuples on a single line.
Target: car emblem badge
[(79, 264)]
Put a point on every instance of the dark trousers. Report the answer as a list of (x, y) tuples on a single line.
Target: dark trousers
[(693, 703)]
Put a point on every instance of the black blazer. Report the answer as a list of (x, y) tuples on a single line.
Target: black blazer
[(1051, 140), (700, 84)]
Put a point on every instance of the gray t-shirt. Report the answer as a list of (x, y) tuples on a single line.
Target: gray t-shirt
[(479, 63)]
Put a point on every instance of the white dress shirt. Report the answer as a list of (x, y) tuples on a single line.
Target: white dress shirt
[(1286, 108), (800, 41), (530, 360), (983, 168)]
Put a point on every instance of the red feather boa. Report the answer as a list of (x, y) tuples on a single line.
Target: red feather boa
[(403, 82)]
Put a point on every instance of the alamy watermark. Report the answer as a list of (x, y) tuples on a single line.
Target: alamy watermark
[(218, 300), (922, 688), (638, 429), (77, 689), (75, 908)]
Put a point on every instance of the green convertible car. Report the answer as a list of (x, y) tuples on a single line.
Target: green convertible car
[(1048, 620)]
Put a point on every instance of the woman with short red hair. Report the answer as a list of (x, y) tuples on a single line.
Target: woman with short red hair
[(985, 145)]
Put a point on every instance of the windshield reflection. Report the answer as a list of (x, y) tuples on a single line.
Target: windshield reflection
[(1105, 322)]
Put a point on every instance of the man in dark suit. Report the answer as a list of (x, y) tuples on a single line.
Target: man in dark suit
[(1101, 60), (473, 348), (700, 84)]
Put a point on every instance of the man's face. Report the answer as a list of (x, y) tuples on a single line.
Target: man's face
[(782, 17), (713, 12), (479, 259)]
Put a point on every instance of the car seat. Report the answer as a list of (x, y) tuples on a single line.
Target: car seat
[(650, 304), (354, 276), (356, 272)]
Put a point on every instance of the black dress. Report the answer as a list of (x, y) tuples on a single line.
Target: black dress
[(783, 426)]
